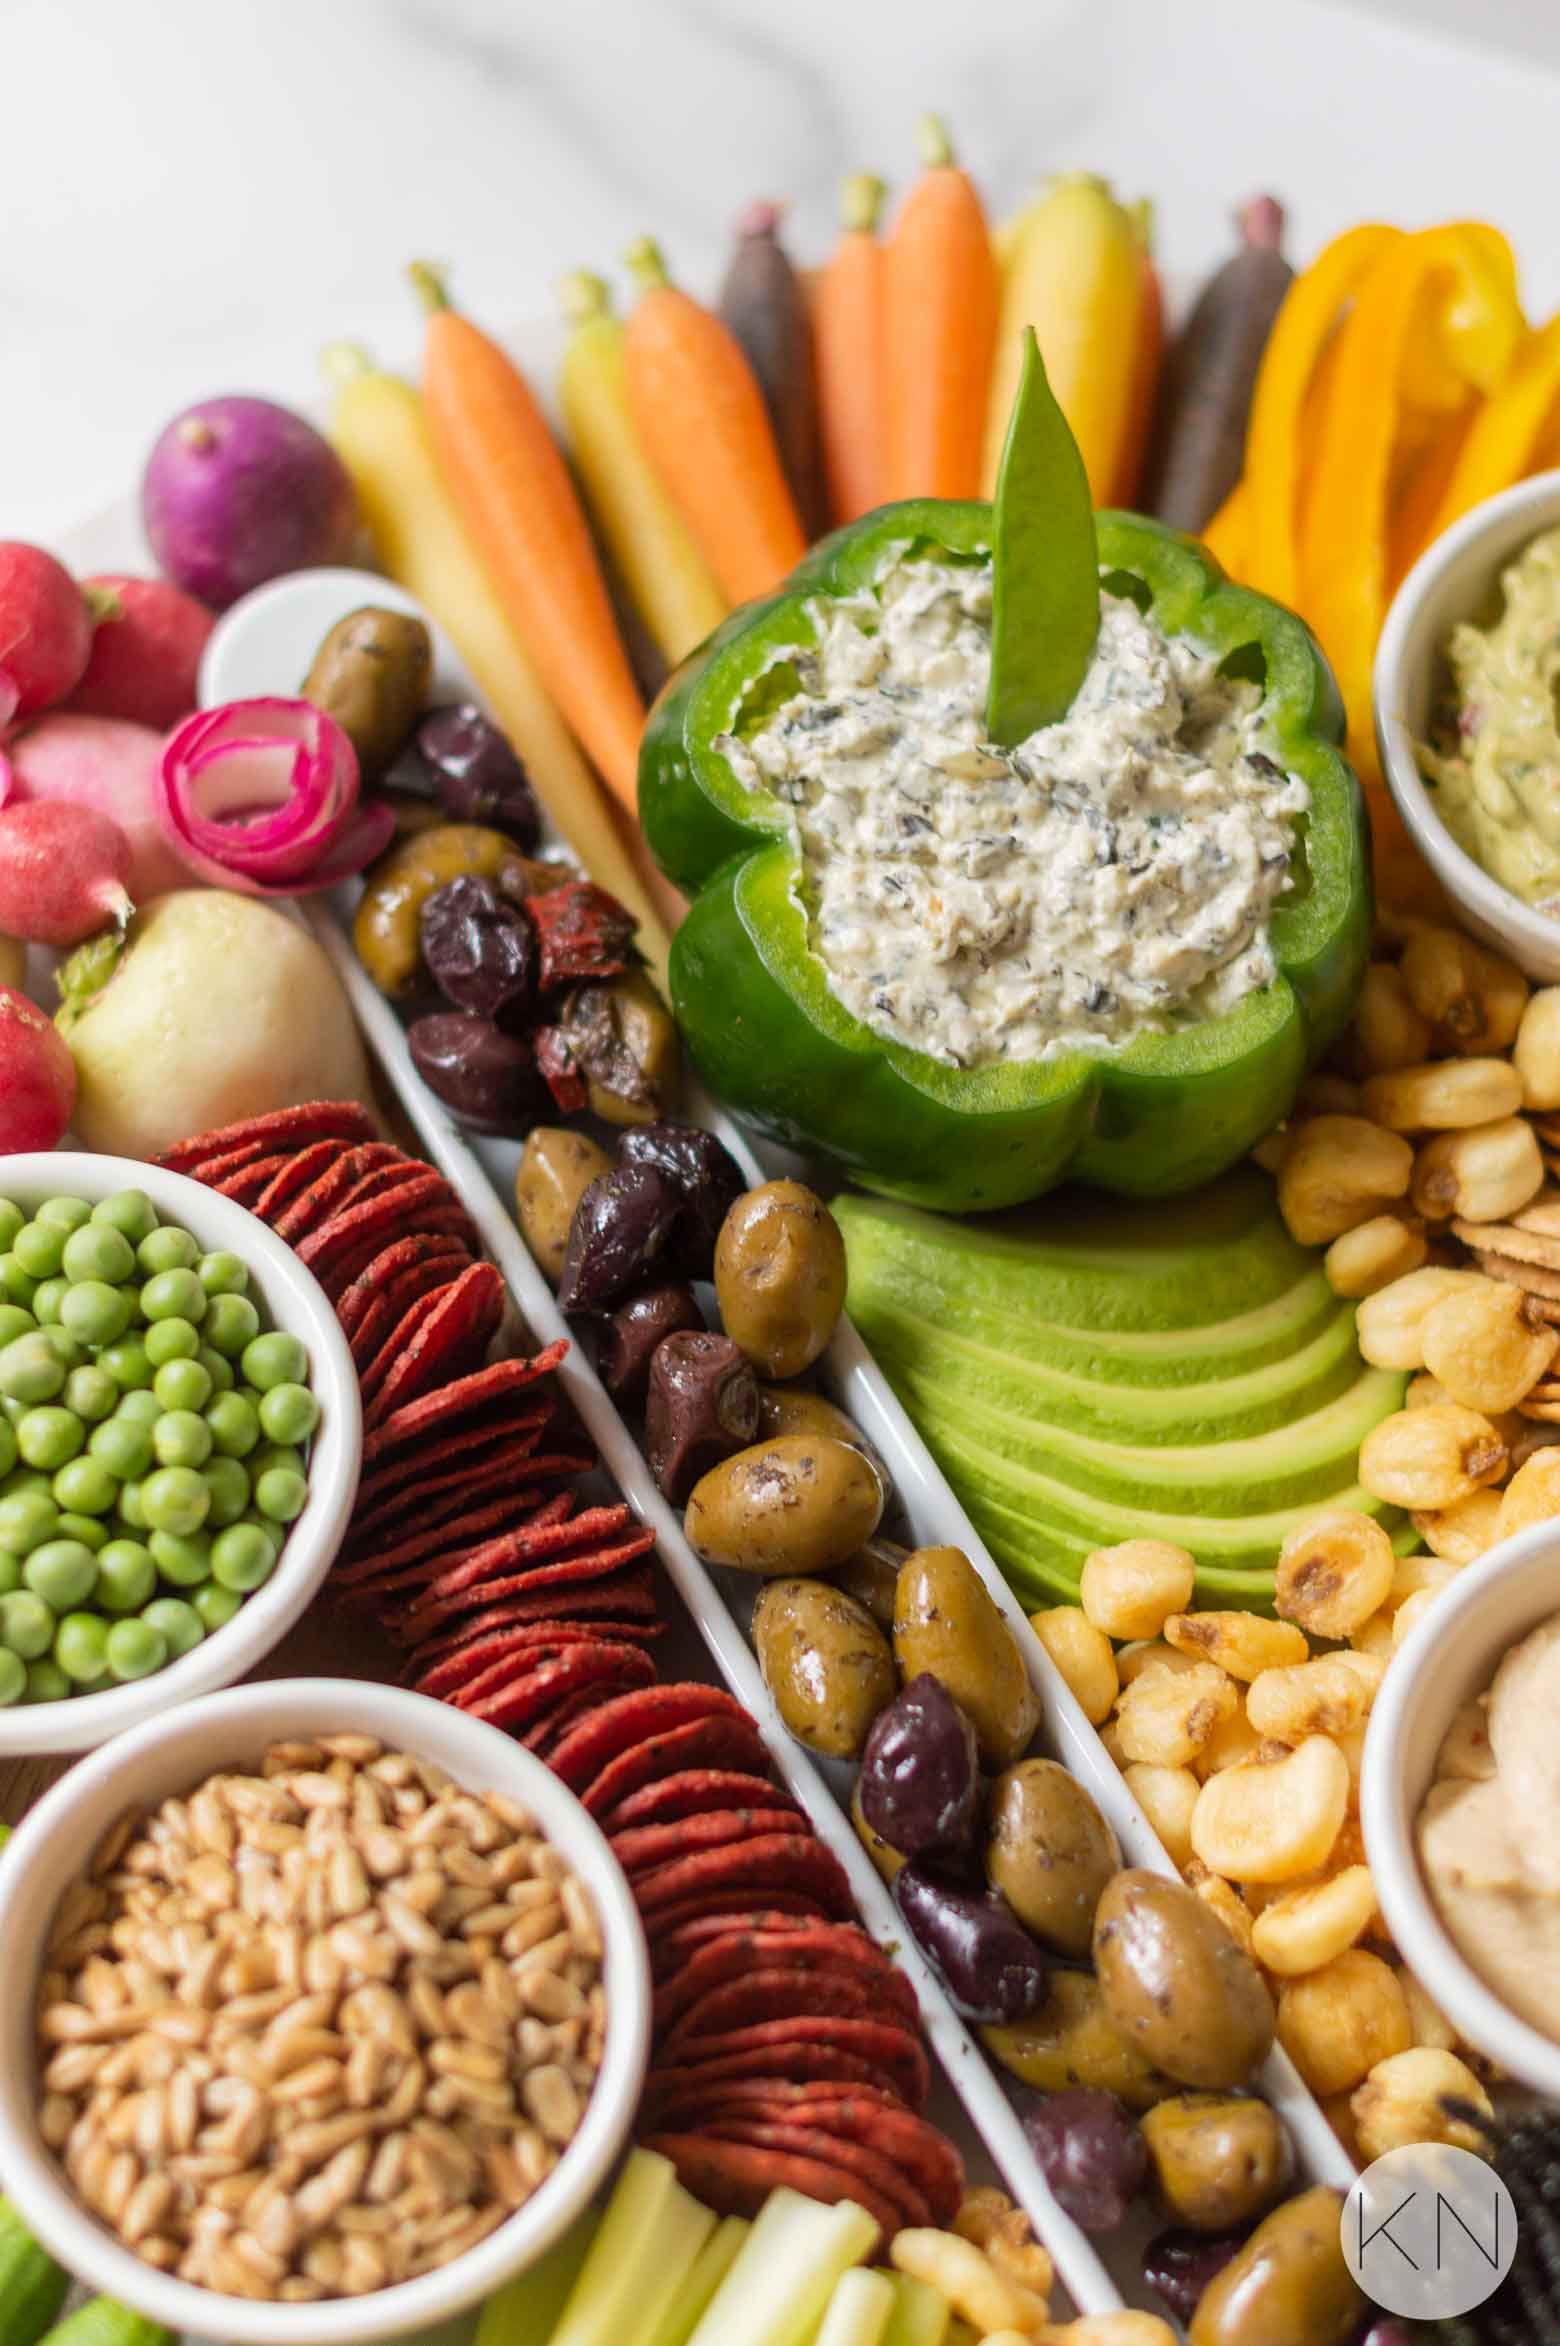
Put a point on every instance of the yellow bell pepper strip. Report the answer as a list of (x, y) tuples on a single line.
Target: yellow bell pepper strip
[(1075, 273), (1228, 535), (668, 580), (379, 430), (1276, 436), (1435, 293), (1511, 435)]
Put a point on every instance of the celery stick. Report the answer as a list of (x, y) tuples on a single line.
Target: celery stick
[(710, 2267), (526, 2308), (920, 2316), (858, 2311), (784, 2275), (642, 2253)]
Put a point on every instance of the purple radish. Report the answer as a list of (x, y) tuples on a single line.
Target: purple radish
[(239, 490)]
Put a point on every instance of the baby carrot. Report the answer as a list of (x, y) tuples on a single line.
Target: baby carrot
[(702, 418), (852, 355), (509, 481), (941, 302)]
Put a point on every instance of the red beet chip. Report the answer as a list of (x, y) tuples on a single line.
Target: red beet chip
[(601, 1532), (543, 1735), (559, 1069), (735, 2178), (539, 1530), (691, 1791), (584, 1664), (643, 1848), (400, 1257), (338, 1120), (293, 1174), (431, 1476), (835, 1949), (223, 1163), (471, 1675), (582, 932), (773, 1861), (813, 2062), (890, 2047), (436, 1606), (455, 1326), (245, 1187), (372, 1373), (813, 2139), (774, 1994), (724, 1740), (498, 1381), (626, 1602), (617, 1727), (424, 1201)]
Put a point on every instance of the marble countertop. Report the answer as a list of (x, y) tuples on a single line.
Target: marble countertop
[(198, 194)]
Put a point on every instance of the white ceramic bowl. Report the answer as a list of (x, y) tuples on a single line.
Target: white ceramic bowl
[(292, 1299), (1449, 1657), (53, 1845), (1457, 578)]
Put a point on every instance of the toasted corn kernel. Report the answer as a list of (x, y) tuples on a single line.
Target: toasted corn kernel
[(1431, 1457), (1536, 1051), (1429, 2023), (1337, 1172), (1387, 1030), (1333, 1573), (1445, 1096), (1532, 1495), (1373, 1254), (1326, 1696), (1481, 1175), (1166, 1716), (1487, 1345), (1244, 1644), (1390, 1325), (1423, 2094), (1167, 1797), (1083, 1655), (1131, 1590), (1337, 2022), (1325, 1094), (1270, 1821), (1307, 1927), (1410, 1613), (1226, 1902), (1145, 1653), (1233, 1740), (1474, 999), (967, 2279)]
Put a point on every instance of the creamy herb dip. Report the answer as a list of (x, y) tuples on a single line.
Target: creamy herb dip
[(1494, 767), (1110, 877)]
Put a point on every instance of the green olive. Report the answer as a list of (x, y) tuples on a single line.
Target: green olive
[(946, 1622), (1287, 2283), (797, 1409), (627, 1045), (372, 675), (825, 1661), (871, 1576), (1070, 2042), (1219, 2159), (780, 1277), (13, 962), (385, 928), (1050, 1852), (883, 1855), (1175, 1983), (797, 1505), (555, 1170)]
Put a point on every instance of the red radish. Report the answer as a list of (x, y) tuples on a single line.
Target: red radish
[(103, 762), (37, 1077), (62, 873), (45, 628), (147, 640)]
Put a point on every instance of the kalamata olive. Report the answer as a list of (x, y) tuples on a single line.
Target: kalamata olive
[(920, 1773), (702, 1406), (990, 1966), (476, 773), (1091, 2153), (709, 1177), (1178, 2265), (479, 949), (487, 1077), (635, 1329), (619, 1228)]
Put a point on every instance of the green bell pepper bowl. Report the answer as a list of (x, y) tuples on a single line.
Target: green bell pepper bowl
[(769, 1038)]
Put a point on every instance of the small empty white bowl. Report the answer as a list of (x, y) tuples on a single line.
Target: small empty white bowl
[(1458, 578), (1448, 1658), (52, 1848), (290, 1298)]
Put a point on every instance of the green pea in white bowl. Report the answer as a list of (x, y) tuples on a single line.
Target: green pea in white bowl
[(291, 1301)]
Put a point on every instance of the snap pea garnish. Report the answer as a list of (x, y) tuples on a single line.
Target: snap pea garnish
[(1045, 600)]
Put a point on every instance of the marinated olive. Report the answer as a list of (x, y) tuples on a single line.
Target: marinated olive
[(711, 1181), (622, 1039), (780, 1276), (477, 775), (1070, 2041), (1175, 1983), (990, 1966), (825, 1661), (479, 949), (1287, 2282), (1178, 2266), (871, 1576), (702, 1406), (796, 1505), (620, 1225), (945, 1622), (372, 674), (1050, 1852), (1090, 2152), (797, 1409), (1220, 2160), (487, 1077), (888, 1861), (385, 928), (919, 1786), (632, 1332), (556, 1168)]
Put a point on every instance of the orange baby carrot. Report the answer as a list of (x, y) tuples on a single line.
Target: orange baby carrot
[(702, 417), (852, 356), (941, 326), (503, 469)]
